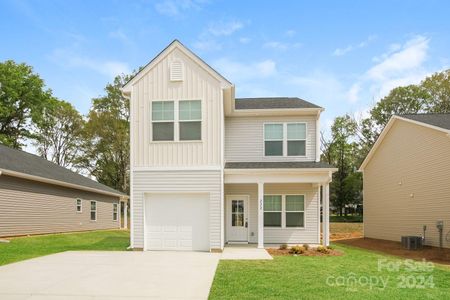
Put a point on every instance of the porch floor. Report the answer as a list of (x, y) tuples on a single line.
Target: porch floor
[(244, 252)]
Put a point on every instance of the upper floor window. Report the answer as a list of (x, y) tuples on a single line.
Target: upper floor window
[(285, 139), (177, 120), (163, 120), (190, 117)]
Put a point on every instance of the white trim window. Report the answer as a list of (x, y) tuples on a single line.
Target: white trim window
[(273, 211), (93, 211), (190, 120), (163, 122), (295, 210), (115, 211), (285, 139), (284, 211), (79, 205), (273, 139)]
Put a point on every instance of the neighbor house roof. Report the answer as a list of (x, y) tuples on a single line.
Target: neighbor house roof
[(272, 103), (18, 163), (440, 122), (278, 165)]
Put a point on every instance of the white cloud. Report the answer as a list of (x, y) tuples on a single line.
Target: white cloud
[(245, 71), (110, 68), (224, 28), (207, 45), (244, 40), (176, 8), (290, 33), (353, 93), (349, 48), (280, 45)]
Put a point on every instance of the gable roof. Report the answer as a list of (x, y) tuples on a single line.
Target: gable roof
[(273, 103), (439, 122), (175, 44), (17, 163)]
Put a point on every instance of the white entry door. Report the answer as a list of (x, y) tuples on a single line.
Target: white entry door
[(237, 218)]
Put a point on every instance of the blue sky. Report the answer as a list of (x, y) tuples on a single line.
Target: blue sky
[(342, 55)]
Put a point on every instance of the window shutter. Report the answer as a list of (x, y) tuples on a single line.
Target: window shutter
[(176, 71)]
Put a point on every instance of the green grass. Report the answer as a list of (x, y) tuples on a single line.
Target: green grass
[(28, 247), (346, 219), (306, 278)]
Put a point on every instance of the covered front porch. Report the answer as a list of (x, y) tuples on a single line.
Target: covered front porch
[(273, 206)]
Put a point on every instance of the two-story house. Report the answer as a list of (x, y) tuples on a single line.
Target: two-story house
[(208, 169)]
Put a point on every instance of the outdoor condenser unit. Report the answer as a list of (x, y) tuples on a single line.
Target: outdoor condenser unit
[(412, 242)]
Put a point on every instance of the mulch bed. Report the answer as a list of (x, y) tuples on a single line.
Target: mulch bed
[(434, 254), (309, 252)]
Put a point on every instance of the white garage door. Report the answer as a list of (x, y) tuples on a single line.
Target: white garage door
[(177, 222)]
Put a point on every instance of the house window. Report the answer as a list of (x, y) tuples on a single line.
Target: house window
[(79, 206), (296, 139), (115, 211), (93, 210), (163, 120), (273, 139), (190, 118), (295, 210), (272, 211), (285, 139)]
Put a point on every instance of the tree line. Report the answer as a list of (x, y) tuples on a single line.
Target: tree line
[(98, 144), (352, 137)]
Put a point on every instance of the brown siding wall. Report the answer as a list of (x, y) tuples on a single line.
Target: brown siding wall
[(30, 207), (407, 185)]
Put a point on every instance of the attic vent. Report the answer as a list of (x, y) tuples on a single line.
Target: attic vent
[(176, 71)]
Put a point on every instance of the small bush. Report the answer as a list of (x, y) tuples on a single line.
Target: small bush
[(322, 249), (306, 246), (297, 250), (330, 248), (283, 247)]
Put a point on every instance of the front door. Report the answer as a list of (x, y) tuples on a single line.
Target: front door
[(237, 220)]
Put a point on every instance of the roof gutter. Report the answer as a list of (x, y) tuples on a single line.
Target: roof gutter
[(57, 182)]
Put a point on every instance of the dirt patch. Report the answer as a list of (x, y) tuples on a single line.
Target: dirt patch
[(441, 256), (340, 231), (309, 252)]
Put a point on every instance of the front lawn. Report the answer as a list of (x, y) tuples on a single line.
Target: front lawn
[(28, 247), (332, 277)]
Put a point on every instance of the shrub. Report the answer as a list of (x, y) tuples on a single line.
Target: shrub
[(297, 250), (283, 247), (306, 246), (330, 248), (322, 249)]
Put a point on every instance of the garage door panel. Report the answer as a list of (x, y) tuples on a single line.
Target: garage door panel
[(177, 222)]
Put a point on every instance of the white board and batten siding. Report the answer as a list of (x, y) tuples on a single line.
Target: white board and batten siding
[(176, 166), (244, 138)]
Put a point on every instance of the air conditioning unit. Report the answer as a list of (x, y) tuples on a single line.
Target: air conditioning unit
[(412, 242)]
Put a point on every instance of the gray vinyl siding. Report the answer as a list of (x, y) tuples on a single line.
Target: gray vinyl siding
[(244, 138), (30, 207), (407, 185), (309, 234), (177, 182)]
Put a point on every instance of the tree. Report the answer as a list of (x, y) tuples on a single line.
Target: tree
[(437, 87), (22, 99), (106, 150), (340, 151), (57, 133)]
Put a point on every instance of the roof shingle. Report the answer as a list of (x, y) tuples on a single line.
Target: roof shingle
[(438, 120), (272, 103), (27, 163), (278, 165)]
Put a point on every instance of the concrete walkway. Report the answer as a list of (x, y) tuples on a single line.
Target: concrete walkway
[(110, 275)]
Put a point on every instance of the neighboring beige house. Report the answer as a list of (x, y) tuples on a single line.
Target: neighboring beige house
[(407, 180), (208, 169), (38, 197)]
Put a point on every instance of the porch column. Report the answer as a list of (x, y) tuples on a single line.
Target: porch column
[(125, 214), (326, 215), (260, 214)]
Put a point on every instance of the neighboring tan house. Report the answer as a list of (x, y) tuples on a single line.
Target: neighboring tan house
[(38, 197), (208, 169), (407, 180)]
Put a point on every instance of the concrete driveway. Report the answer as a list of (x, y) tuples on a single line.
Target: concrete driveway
[(110, 275)]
